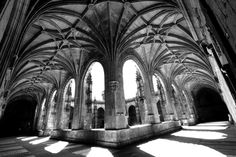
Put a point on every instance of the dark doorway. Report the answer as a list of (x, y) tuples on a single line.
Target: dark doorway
[(132, 116), (18, 117), (100, 122), (210, 106)]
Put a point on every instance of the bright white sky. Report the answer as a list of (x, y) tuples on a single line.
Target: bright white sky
[(98, 81), (129, 76), (154, 79)]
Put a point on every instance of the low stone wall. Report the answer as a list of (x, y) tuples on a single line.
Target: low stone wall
[(47, 132), (116, 138)]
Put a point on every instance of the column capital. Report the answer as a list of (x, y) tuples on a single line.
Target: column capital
[(114, 85)]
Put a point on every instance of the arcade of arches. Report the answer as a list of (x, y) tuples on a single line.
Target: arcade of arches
[(113, 72)]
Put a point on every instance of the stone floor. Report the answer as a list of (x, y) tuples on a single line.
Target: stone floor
[(215, 139)]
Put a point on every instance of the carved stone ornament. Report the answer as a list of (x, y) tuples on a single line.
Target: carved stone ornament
[(113, 85)]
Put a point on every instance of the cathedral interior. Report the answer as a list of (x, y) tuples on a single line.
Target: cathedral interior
[(115, 72)]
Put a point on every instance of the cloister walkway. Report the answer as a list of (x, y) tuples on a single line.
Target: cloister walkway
[(215, 139)]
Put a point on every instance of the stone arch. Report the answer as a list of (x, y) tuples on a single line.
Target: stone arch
[(93, 91), (140, 96)]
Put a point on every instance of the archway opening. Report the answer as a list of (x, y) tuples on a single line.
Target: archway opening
[(210, 106), (18, 118), (94, 107), (134, 93), (130, 70)]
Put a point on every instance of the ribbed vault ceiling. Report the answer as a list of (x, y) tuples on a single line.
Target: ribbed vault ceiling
[(64, 33)]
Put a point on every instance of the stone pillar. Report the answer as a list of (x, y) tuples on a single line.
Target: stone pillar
[(179, 102), (41, 115), (185, 104), (39, 107), (77, 113), (170, 107), (114, 97), (161, 99), (50, 116), (191, 114), (141, 99), (176, 104), (59, 109), (48, 111), (153, 114)]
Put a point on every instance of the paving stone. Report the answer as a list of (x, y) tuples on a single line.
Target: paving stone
[(160, 147)]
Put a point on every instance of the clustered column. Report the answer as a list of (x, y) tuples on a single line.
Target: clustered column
[(114, 97)]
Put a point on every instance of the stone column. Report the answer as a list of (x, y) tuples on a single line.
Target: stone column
[(114, 97), (176, 104), (162, 99), (59, 109), (185, 105), (153, 114), (170, 107), (77, 113), (50, 117), (40, 113), (48, 113), (141, 96), (43, 114), (226, 93)]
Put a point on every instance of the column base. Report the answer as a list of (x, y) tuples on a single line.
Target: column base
[(116, 122), (153, 119), (171, 117)]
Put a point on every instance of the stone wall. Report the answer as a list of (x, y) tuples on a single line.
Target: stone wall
[(116, 138)]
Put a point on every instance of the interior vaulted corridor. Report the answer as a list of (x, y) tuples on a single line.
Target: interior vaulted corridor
[(210, 106), (115, 72), (18, 118)]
